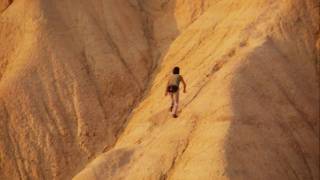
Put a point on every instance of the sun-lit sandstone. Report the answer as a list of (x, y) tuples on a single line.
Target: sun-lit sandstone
[(82, 89)]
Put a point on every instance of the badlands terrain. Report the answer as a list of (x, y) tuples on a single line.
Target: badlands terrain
[(82, 89)]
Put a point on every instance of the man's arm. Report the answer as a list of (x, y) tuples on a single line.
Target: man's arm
[(166, 92)]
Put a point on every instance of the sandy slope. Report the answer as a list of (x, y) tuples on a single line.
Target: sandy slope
[(252, 107), (71, 72), (66, 70)]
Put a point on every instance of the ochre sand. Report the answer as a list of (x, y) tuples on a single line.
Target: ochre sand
[(82, 89)]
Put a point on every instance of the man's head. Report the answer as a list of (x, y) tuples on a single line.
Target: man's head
[(176, 70)]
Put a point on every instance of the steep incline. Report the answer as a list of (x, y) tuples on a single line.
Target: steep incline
[(83, 81), (70, 73), (252, 107)]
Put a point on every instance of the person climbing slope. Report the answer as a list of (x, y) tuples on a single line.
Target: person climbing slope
[(173, 89)]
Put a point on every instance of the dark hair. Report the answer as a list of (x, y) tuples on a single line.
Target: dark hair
[(176, 70)]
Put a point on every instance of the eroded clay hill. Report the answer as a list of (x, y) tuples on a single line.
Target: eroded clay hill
[(82, 89)]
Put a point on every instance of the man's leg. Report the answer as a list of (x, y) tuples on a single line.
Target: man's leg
[(176, 103), (172, 100)]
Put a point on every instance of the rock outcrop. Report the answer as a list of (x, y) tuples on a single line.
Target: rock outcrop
[(82, 89)]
